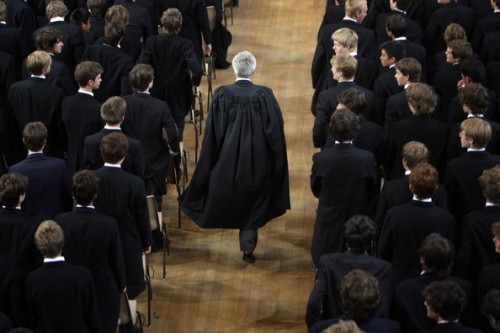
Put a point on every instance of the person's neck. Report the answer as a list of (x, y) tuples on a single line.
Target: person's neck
[(86, 89)]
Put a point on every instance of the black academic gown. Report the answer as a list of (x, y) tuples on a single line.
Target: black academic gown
[(241, 179)]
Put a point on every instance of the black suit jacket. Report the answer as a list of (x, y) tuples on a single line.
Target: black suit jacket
[(445, 85), (116, 64), (396, 109), (408, 303), (194, 23), (456, 112), (397, 192), (146, 118), (134, 160), (489, 52), (344, 179), (483, 26), (49, 187), (451, 328), (81, 117), (61, 298), (176, 70), (377, 7), (92, 240), (36, 99), (414, 31), (461, 181), (324, 300), (423, 128), (122, 196), (373, 325), (405, 228), (12, 43), (74, 43), (327, 102), (384, 87), (20, 15)]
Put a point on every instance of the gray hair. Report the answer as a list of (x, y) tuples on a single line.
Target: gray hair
[(244, 64)]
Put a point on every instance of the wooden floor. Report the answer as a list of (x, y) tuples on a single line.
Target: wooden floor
[(208, 287)]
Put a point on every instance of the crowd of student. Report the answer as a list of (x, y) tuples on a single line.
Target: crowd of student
[(426, 113), (95, 94)]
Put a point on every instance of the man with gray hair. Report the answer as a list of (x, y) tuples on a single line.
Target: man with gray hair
[(241, 179)]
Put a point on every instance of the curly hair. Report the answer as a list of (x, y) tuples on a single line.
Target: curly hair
[(360, 294)]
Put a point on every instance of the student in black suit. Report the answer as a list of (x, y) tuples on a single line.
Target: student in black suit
[(451, 12), (410, 8), (324, 300), (343, 69), (50, 40), (345, 41), (146, 118), (18, 255), (74, 42), (81, 114), (122, 196), (334, 14), (474, 99), (490, 307), (386, 85), (80, 17), (420, 127), (485, 25), (48, 192), (9, 133), (36, 99), (411, 29), (473, 71), (115, 62), (60, 296), (396, 28), (406, 226), (92, 240), (20, 15), (408, 71), (444, 302), (360, 293), (194, 24), (354, 173), (462, 173), (176, 67), (397, 192), (439, 61), (436, 255), (354, 14), (98, 9), (489, 52), (113, 113), (445, 81), (475, 249)]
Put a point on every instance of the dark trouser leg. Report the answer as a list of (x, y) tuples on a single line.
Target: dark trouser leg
[(248, 240)]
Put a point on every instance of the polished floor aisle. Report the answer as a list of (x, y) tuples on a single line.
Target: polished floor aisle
[(208, 287)]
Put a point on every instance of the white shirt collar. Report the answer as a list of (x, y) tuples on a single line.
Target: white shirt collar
[(400, 38), (81, 91), (56, 259), (57, 19), (348, 142), (422, 200), (81, 206), (476, 149), (112, 127), (38, 76), (109, 165), (243, 79)]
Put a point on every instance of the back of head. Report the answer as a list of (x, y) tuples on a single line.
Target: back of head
[(113, 33), (244, 64), (490, 184), (490, 306), (343, 326), (79, 16), (38, 62), (56, 9), (84, 189), (396, 24), (423, 180), (12, 186), (354, 100), (117, 14), (96, 7), (421, 98), (446, 298), (49, 239), (3, 11), (474, 70), (344, 125), (47, 37), (347, 38), (113, 110), (86, 71), (141, 76), (34, 135), (415, 152), (354, 6), (411, 67), (114, 147), (359, 232), (437, 254), (171, 21), (360, 294), (461, 49), (454, 31), (394, 49), (346, 64), (475, 97), (478, 130)]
